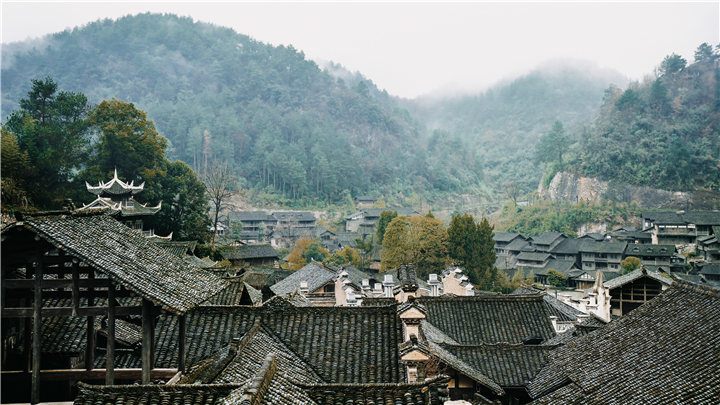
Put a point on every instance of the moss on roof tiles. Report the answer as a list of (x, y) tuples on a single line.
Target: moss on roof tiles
[(662, 352), (489, 319), (128, 259)]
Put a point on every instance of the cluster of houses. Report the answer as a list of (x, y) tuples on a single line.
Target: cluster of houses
[(98, 311), (671, 242)]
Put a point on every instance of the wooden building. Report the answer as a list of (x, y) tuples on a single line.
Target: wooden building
[(88, 266)]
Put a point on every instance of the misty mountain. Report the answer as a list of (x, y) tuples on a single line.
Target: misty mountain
[(288, 127), (507, 119), (662, 132)]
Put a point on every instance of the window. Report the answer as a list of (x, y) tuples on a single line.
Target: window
[(330, 288), (138, 225)]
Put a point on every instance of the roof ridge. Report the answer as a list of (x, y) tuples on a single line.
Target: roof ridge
[(681, 284), (89, 388)]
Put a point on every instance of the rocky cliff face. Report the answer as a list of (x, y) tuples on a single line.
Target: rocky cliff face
[(574, 188)]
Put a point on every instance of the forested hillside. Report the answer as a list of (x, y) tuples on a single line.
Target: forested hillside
[(286, 126), (663, 132), (507, 119), (295, 133)]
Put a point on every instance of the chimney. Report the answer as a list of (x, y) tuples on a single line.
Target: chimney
[(388, 286), (377, 290), (366, 286), (434, 284), (303, 287), (553, 320)]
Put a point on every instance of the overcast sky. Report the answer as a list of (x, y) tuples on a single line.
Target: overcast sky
[(416, 48)]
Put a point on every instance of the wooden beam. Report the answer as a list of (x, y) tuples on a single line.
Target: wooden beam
[(37, 333), (75, 288), (68, 311), (48, 284), (146, 344), (97, 374), (110, 356)]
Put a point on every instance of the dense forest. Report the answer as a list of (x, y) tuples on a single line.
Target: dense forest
[(296, 134), (663, 131), (285, 125), (506, 120)]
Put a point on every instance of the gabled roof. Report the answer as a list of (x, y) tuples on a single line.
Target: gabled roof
[(250, 216), (562, 266), (534, 256), (547, 238), (176, 248), (237, 292), (598, 237), (115, 187), (662, 352), (244, 252), (315, 275), (634, 275), (489, 318), (650, 250), (153, 394), (604, 247), (126, 257), (508, 365), (520, 245), (570, 246), (506, 236), (712, 269), (294, 216)]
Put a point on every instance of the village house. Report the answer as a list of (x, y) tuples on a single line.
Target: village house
[(679, 228), (74, 272), (365, 220), (242, 256), (364, 201), (663, 352)]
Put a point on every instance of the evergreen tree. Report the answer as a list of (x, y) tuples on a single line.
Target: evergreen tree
[(487, 256), (52, 128), (385, 218)]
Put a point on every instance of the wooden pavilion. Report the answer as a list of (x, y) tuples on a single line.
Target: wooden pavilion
[(87, 264)]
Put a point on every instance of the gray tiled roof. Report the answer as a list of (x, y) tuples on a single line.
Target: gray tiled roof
[(315, 275), (177, 248), (508, 365), (489, 319), (650, 250), (153, 394), (506, 236), (243, 252), (546, 238), (294, 216), (562, 266), (663, 352), (520, 245), (604, 247), (237, 292), (128, 258), (533, 256), (710, 269), (634, 275), (570, 246)]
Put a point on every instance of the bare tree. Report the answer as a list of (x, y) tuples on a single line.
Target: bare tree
[(512, 190), (221, 186)]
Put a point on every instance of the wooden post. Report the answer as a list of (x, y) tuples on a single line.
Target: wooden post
[(146, 340), (110, 358), (37, 330), (75, 286), (27, 326), (90, 331), (181, 343)]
